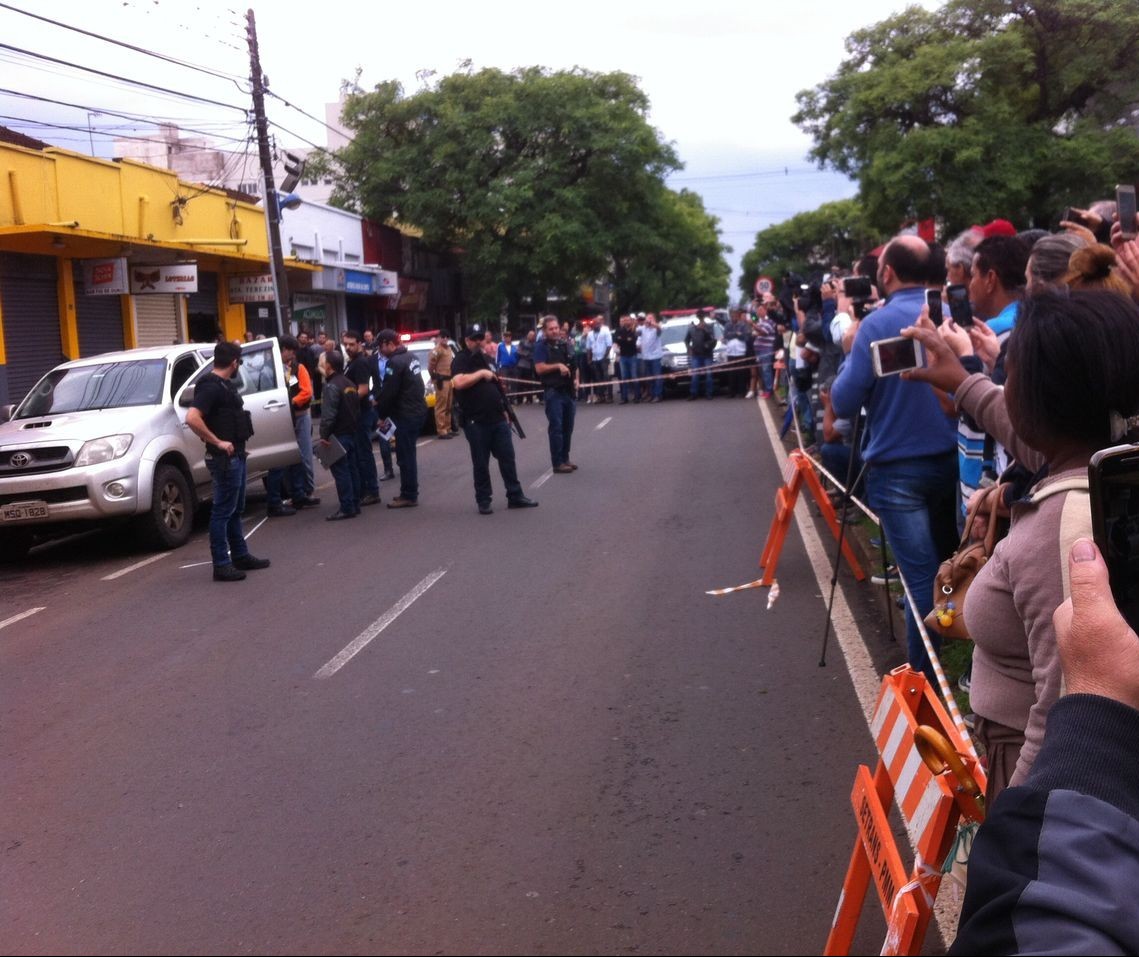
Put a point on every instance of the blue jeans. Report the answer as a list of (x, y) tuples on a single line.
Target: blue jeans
[(301, 476), (227, 538), (914, 499), (767, 371), (560, 412), (652, 368), (695, 364), (406, 435), (347, 476), (485, 440), (628, 373), (365, 460)]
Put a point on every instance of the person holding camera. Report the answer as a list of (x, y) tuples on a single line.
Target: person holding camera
[(1055, 864), (217, 416), (700, 339), (911, 448)]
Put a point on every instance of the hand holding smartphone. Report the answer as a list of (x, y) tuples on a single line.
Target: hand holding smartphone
[(893, 356)]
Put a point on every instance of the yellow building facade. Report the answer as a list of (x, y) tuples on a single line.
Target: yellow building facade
[(90, 250)]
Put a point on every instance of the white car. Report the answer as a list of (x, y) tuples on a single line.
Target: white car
[(106, 438), (672, 333)]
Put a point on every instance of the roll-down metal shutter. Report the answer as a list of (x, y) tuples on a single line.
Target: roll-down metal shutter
[(100, 319), (29, 298), (157, 320)]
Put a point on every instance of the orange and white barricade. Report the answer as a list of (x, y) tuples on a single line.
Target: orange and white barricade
[(938, 784)]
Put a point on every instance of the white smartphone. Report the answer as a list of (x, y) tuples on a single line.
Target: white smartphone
[(891, 356)]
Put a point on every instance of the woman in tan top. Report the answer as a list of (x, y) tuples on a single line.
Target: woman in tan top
[(1071, 362)]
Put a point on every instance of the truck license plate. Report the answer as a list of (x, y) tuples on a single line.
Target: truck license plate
[(22, 511)]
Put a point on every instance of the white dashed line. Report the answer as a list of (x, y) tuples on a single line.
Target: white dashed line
[(542, 479), (137, 565), (361, 641), (20, 617), (604, 422)]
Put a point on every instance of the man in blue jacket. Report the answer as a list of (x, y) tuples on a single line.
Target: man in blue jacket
[(910, 443)]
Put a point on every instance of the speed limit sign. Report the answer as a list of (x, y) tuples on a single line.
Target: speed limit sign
[(763, 286)]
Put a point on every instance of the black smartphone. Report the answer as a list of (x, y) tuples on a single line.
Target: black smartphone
[(959, 306), (1125, 206), (857, 287), (1114, 479), (933, 300)]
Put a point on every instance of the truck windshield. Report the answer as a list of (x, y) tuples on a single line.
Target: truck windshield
[(111, 385)]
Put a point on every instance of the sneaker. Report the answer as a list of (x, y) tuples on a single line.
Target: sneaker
[(386, 477), (276, 511), (485, 509), (891, 575), (964, 682), (339, 516), (370, 500), (749, 394), (250, 563), (970, 721), (564, 469), (401, 503), (228, 573)]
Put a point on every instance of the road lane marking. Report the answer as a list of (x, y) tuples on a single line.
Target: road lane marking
[(257, 526), (604, 422), (137, 565), (195, 564), (542, 479), (361, 641), (20, 617), (420, 445)]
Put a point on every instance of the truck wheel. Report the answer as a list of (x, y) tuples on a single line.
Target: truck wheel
[(170, 521), (15, 544)]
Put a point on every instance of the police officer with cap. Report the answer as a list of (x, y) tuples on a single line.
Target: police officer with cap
[(482, 404), (218, 417), (399, 398)]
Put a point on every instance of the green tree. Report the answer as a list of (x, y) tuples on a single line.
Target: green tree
[(532, 176), (672, 257), (834, 234), (982, 108)]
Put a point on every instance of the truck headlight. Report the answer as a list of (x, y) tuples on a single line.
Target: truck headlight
[(106, 449)]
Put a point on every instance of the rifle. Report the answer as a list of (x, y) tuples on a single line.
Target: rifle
[(506, 406)]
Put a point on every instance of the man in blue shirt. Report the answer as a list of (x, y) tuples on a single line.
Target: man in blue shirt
[(910, 443)]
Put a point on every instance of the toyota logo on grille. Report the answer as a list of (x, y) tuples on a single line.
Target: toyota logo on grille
[(20, 460)]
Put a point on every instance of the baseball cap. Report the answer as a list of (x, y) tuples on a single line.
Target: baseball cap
[(998, 227), (475, 331)]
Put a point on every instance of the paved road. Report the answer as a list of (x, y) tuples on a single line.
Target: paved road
[(559, 746)]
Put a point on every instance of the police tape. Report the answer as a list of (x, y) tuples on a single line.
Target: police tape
[(729, 365), (772, 596)]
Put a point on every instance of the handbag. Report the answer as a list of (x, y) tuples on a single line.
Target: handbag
[(957, 572)]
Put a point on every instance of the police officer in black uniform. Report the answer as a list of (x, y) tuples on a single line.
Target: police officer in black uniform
[(400, 398), (481, 402), (218, 417), (553, 361)]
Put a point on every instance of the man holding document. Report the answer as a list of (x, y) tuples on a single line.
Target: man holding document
[(340, 412)]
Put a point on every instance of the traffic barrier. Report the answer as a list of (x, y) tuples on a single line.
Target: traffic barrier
[(939, 786)]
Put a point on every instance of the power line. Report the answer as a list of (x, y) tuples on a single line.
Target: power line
[(125, 116), (122, 79), (28, 123), (291, 106), (128, 46)]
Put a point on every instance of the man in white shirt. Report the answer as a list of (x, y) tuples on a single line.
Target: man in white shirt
[(652, 352), (599, 343)]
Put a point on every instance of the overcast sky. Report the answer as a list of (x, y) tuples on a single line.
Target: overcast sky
[(721, 76)]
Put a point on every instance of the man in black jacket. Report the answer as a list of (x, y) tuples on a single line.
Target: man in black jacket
[(399, 398), (701, 342), (340, 417)]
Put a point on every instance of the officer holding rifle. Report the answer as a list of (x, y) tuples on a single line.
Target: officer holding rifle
[(486, 417)]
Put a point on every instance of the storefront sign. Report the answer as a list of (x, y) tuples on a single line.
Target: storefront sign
[(387, 283), (357, 282), (105, 277), (178, 277), (258, 288)]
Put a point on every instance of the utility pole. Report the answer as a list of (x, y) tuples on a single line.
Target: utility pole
[(272, 206)]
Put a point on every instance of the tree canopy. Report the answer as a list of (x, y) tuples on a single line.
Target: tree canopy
[(540, 180), (982, 108), (835, 233)]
